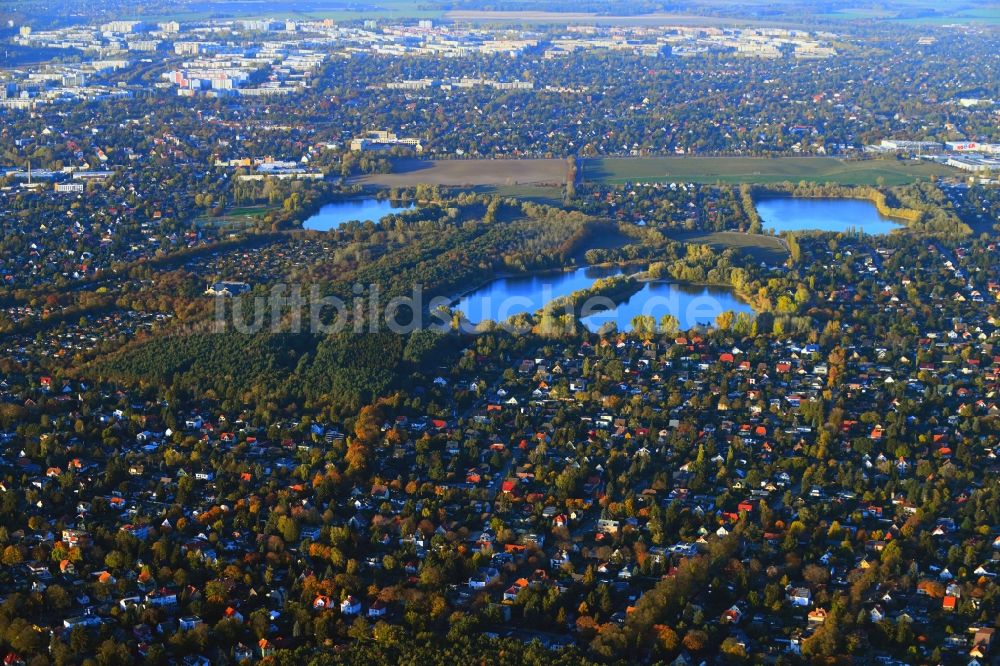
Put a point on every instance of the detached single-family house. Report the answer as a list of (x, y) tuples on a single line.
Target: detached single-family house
[(350, 606), (800, 596)]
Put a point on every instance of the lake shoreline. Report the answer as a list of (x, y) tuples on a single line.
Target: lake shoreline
[(782, 213), (369, 209), (831, 197), (537, 272), (725, 296)]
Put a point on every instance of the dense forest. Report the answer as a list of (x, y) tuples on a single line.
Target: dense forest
[(281, 371)]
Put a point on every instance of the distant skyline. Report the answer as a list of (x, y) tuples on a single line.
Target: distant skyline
[(802, 12)]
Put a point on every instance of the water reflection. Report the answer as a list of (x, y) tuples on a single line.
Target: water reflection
[(336, 214), (803, 214)]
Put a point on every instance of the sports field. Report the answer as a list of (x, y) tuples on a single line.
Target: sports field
[(760, 170), (239, 217)]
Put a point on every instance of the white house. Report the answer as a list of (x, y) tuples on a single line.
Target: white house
[(800, 596), (350, 606)]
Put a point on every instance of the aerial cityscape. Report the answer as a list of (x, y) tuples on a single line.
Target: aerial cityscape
[(499, 332)]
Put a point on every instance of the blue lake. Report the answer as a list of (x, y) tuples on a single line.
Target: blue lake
[(505, 297), (803, 214), (335, 215), (691, 304)]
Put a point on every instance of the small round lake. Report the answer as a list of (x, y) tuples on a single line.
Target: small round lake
[(692, 305), (335, 215), (806, 214)]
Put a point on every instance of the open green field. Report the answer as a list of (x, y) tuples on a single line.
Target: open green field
[(236, 218), (858, 14), (760, 170), (591, 18), (977, 18), (739, 12), (469, 173), (45, 13), (540, 194), (542, 179), (761, 247), (604, 237), (920, 12)]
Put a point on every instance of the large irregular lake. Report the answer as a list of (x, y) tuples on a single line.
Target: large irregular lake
[(692, 305), (804, 214), (335, 215), (505, 297)]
